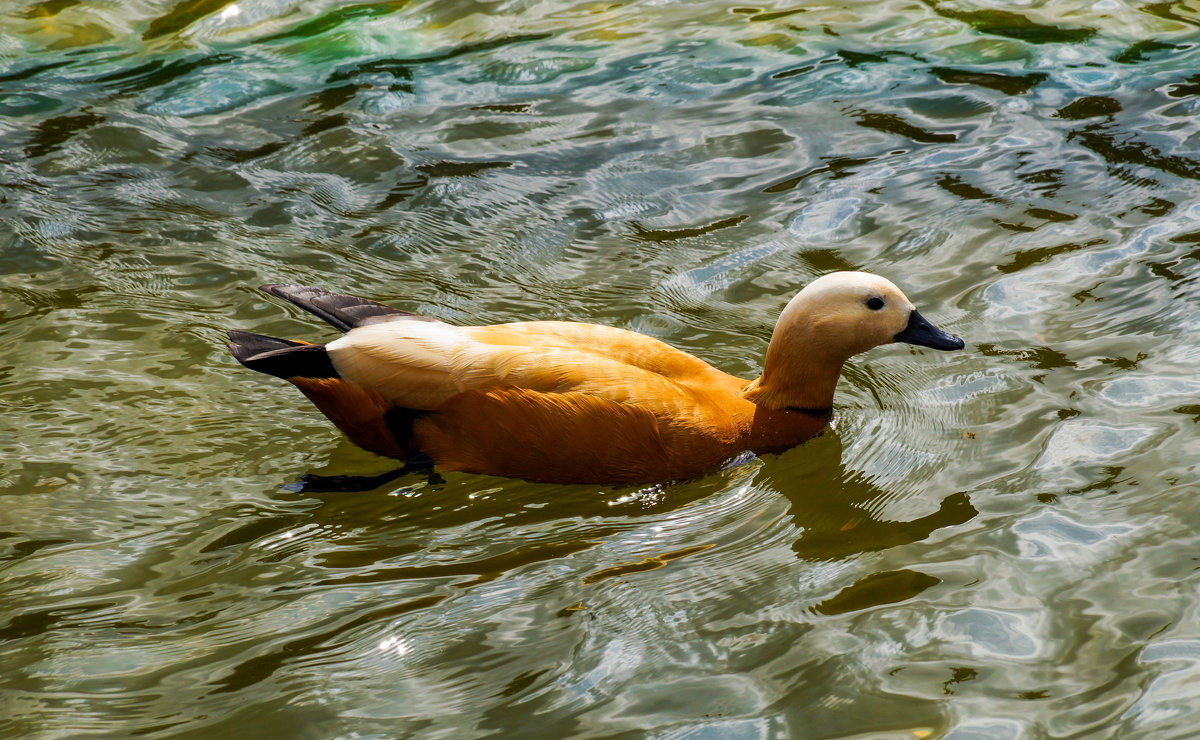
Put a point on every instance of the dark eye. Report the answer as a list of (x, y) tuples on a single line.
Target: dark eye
[(874, 303)]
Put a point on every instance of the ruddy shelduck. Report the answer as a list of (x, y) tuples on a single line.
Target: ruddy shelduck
[(563, 402)]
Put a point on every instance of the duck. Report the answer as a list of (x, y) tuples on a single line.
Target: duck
[(566, 402)]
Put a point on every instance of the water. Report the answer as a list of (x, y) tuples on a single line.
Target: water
[(996, 543)]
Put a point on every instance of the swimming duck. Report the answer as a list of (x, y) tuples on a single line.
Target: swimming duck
[(563, 402)]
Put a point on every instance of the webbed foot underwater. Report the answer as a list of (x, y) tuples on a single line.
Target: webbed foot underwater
[(564, 402)]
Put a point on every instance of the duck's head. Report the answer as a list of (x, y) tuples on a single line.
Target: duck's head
[(834, 318), (852, 312)]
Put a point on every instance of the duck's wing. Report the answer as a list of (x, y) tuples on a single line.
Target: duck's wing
[(423, 364), (622, 345)]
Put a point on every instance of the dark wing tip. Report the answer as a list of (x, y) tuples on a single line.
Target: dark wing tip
[(290, 291), (342, 311)]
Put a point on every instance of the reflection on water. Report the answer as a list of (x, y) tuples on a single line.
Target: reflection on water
[(990, 544)]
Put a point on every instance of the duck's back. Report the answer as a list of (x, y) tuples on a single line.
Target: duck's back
[(422, 364)]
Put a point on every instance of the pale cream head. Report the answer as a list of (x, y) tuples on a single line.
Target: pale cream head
[(834, 318), (843, 313)]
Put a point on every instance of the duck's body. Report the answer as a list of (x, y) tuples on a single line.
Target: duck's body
[(567, 402)]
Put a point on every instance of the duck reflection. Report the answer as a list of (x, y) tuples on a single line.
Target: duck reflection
[(831, 505)]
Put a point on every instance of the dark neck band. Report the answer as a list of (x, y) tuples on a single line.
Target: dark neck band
[(816, 413)]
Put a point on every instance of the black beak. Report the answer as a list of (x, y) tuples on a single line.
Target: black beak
[(920, 331)]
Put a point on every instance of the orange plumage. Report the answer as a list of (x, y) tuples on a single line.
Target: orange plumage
[(574, 403)]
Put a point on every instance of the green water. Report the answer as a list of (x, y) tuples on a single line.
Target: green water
[(997, 543)]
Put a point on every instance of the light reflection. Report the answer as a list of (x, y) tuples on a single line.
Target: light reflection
[(395, 645)]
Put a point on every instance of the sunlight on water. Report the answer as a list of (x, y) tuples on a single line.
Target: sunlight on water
[(994, 543)]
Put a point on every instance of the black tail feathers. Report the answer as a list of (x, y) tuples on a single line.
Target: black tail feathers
[(280, 357), (343, 311)]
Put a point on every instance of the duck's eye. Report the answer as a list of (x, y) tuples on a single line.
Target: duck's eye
[(874, 303)]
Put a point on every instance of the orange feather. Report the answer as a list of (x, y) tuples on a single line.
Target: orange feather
[(359, 412)]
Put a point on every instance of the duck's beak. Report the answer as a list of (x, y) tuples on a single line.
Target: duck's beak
[(920, 331)]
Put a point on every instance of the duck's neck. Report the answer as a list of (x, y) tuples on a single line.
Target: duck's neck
[(801, 381)]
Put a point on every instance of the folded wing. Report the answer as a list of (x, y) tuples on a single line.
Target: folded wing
[(423, 364)]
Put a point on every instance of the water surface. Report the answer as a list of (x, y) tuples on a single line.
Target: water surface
[(995, 543)]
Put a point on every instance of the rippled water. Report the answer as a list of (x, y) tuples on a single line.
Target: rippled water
[(997, 543)]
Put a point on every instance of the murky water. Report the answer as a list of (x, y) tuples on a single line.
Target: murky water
[(997, 543)]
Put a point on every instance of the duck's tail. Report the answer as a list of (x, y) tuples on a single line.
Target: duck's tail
[(360, 412), (282, 358), (287, 359)]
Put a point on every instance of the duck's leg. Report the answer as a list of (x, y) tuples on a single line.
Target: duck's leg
[(417, 465)]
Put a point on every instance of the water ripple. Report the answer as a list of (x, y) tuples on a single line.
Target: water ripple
[(991, 543)]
